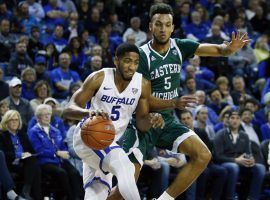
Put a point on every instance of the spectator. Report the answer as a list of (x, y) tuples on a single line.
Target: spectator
[(86, 41), (63, 77), (212, 116), (73, 88), (222, 84), (16, 102), (224, 121), (95, 65), (259, 116), (259, 21), (4, 12), (261, 49), (134, 29), (216, 31), (118, 27), (19, 60), (57, 38), (182, 14), (6, 180), (201, 116), (41, 69), (67, 5), (216, 173), (53, 155), (196, 30), (84, 11), (28, 78), (56, 121), (4, 107), (96, 50), (265, 128), (52, 54), (239, 93), (190, 86), (253, 132), (6, 37), (26, 21), (78, 57), (3, 86), (42, 91), (232, 148), (74, 27), (34, 42), (35, 10), (94, 22), (131, 39), (54, 14), (20, 155), (216, 101)]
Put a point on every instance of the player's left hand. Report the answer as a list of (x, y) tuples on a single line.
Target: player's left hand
[(238, 40), (156, 120)]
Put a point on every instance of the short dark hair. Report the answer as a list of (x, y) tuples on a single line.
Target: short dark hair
[(234, 112), (253, 101), (179, 113), (244, 110), (160, 8), (125, 48)]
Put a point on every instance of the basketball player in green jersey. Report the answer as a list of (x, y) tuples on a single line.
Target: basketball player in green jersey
[(160, 62)]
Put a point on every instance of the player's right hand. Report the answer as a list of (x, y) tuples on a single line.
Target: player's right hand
[(186, 101), (98, 113), (156, 120)]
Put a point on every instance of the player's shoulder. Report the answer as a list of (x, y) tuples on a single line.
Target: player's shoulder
[(184, 42), (95, 78), (144, 49)]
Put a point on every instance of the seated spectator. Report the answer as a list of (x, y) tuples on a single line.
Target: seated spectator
[(117, 25), (41, 69), (196, 30), (253, 131), (78, 57), (201, 116), (3, 85), (57, 38), (62, 77), (86, 42), (190, 86), (52, 54), (200, 71), (216, 101), (239, 92), (134, 29), (6, 37), (20, 155), (233, 151), (16, 102), (74, 158), (56, 121), (42, 91), (261, 48), (95, 65), (222, 84), (26, 21), (67, 5), (216, 173), (259, 116), (34, 42), (54, 14), (4, 107), (53, 154), (265, 128), (19, 60), (73, 88), (28, 77), (212, 116), (93, 22), (74, 27), (224, 121), (6, 180), (35, 10), (4, 12)]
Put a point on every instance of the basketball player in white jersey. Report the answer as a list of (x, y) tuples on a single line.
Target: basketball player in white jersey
[(118, 92)]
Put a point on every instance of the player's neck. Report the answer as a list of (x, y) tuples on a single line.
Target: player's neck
[(119, 82), (160, 48)]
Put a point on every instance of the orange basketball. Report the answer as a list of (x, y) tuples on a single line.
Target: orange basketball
[(97, 133)]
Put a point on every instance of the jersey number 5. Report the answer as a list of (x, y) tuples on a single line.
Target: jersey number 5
[(115, 114), (167, 83)]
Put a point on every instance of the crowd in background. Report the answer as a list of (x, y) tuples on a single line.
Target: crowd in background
[(49, 47)]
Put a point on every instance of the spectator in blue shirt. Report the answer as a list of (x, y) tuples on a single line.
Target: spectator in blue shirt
[(20, 154), (57, 38), (63, 77), (216, 101), (265, 128), (28, 83), (53, 153)]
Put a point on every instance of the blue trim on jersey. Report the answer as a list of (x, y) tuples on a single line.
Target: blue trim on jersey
[(102, 156), (97, 179)]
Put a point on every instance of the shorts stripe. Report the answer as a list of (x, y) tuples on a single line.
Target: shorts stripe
[(102, 153), (100, 180)]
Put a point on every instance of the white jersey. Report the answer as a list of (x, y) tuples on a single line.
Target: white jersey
[(119, 106)]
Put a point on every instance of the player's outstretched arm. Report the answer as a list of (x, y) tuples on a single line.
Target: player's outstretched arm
[(238, 40), (144, 119), (76, 106)]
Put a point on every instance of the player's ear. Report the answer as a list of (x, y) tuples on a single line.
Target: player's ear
[(116, 61), (172, 27), (150, 26)]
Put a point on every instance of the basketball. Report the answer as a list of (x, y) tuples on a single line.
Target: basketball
[(97, 133)]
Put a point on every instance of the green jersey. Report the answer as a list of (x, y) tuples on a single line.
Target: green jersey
[(164, 70)]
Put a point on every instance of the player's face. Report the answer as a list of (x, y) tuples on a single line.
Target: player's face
[(161, 27), (127, 65)]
